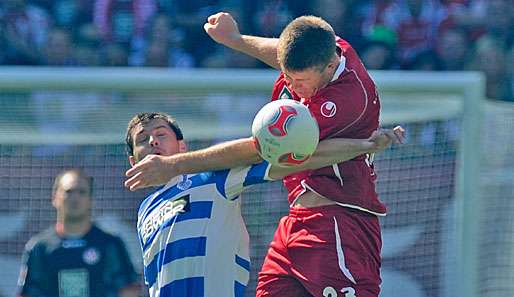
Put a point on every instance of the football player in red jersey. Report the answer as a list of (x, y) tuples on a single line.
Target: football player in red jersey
[(329, 244)]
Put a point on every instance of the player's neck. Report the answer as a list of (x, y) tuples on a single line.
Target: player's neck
[(72, 229)]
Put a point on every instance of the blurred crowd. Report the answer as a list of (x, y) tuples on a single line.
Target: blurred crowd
[(434, 35)]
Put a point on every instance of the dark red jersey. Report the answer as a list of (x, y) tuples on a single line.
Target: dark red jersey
[(348, 107)]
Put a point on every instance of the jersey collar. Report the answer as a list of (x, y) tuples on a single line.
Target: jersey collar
[(173, 181), (340, 68)]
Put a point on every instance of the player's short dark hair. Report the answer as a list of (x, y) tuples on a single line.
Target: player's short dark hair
[(144, 118), (306, 42), (76, 172)]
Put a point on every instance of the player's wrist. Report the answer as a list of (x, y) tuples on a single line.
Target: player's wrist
[(369, 146), (236, 41), (174, 165)]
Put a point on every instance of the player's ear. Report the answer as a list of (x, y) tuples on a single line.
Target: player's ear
[(132, 160), (182, 146), (331, 66), (54, 201)]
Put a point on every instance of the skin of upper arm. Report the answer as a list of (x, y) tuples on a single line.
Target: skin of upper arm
[(262, 48), (236, 153), (328, 152)]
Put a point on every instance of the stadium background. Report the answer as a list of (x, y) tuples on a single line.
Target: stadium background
[(416, 181)]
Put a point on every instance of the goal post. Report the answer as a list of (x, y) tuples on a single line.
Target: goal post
[(470, 88), (51, 118)]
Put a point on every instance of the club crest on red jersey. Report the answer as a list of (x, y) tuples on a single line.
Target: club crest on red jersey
[(328, 109), (285, 94)]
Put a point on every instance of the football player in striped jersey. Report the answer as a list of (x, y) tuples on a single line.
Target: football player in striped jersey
[(191, 231)]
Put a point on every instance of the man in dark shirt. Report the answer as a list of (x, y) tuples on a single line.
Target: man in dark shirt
[(75, 258)]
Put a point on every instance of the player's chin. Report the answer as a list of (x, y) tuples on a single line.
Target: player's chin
[(305, 94)]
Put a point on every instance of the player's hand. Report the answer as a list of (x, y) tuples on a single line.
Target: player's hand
[(222, 28), (153, 170), (383, 138)]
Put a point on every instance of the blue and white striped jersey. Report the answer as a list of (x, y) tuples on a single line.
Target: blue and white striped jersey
[(193, 237)]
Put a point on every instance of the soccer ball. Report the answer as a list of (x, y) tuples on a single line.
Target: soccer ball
[(285, 133)]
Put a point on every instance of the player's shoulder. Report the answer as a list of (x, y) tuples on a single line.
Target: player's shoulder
[(346, 49), (101, 235), (342, 44), (42, 240), (352, 60), (340, 90), (280, 81)]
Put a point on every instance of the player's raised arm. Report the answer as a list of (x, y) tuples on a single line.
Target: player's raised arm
[(336, 150), (156, 170), (223, 29)]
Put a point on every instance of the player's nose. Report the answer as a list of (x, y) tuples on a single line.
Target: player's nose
[(153, 141)]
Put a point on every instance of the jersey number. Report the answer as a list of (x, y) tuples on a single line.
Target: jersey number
[(331, 292)]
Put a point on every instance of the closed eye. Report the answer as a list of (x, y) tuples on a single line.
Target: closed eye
[(142, 139)]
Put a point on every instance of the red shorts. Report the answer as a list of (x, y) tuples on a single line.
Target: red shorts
[(328, 251)]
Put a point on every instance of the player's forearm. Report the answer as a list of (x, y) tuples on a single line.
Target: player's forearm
[(241, 152), (328, 152), (262, 48)]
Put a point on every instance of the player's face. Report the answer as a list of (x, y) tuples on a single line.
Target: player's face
[(157, 138), (306, 83), (72, 199)]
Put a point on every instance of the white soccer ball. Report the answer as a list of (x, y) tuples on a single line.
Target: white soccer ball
[(285, 133)]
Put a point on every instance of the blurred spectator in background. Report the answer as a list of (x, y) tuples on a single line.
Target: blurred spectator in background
[(86, 55), (190, 16), (499, 23), (58, 50), (5, 51), (510, 81), (423, 61), (123, 20), (271, 16), (378, 12), (467, 14), (25, 28), (389, 34), (115, 55), (87, 45), (75, 257), (72, 13), (156, 55), (453, 49), (416, 26), (379, 51), (491, 59), (163, 46), (340, 14)]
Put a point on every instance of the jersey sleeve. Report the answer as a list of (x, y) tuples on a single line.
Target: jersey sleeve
[(32, 278), (119, 268), (231, 182)]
